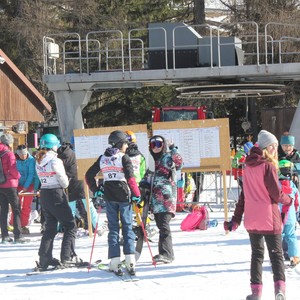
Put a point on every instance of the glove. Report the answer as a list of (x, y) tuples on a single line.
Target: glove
[(144, 184), (136, 200), (99, 194), (230, 226), (285, 209)]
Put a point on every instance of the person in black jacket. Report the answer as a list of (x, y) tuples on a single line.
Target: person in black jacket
[(76, 193), (120, 188)]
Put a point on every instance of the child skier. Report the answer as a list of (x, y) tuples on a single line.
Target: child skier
[(120, 188), (139, 168), (54, 204), (289, 212), (287, 143)]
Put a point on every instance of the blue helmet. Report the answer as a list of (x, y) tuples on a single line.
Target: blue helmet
[(247, 147), (49, 141)]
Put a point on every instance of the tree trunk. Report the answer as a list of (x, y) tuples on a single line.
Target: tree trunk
[(199, 15), (199, 12)]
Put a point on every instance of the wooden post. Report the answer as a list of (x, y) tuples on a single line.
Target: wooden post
[(225, 195), (88, 211)]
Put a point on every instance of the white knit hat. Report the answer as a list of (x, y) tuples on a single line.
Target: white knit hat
[(266, 138)]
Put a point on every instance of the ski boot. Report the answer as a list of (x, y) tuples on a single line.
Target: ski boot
[(130, 263), (102, 229), (159, 258), (19, 240), (74, 262), (7, 240), (43, 264), (25, 230), (115, 266)]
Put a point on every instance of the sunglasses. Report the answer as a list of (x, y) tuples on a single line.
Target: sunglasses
[(156, 144)]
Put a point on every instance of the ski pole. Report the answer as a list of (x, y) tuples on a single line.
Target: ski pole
[(95, 233), (137, 211)]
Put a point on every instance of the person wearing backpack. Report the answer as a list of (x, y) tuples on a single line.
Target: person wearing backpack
[(8, 190), (164, 193)]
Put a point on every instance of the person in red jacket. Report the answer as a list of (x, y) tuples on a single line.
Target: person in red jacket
[(258, 202), (8, 190)]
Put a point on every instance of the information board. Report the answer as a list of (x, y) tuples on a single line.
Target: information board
[(203, 144), (91, 143)]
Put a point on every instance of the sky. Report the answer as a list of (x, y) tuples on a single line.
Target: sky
[(208, 265)]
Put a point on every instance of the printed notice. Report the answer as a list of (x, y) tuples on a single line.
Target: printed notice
[(186, 141), (94, 146), (209, 142), (90, 146)]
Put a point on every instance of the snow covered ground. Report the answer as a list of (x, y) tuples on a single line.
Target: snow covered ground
[(208, 265)]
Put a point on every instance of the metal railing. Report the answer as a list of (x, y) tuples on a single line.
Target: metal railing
[(113, 50)]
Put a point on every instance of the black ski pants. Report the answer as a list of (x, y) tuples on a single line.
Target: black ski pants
[(274, 245), (55, 207), (10, 196), (165, 244)]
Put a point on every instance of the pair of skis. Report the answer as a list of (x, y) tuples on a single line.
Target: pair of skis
[(78, 265)]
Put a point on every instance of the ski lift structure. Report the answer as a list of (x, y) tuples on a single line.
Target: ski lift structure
[(219, 64)]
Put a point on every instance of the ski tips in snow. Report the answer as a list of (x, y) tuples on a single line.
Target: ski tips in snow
[(121, 272)]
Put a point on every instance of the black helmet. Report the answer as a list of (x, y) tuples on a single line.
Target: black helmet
[(117, 138)]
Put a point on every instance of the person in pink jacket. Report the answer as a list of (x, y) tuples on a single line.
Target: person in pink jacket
[(8, 190), (258, 202)]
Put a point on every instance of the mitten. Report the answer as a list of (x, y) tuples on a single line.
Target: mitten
[(230, 226)]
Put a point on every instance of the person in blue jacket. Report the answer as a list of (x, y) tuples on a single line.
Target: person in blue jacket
[(28, 183), (289, 212)]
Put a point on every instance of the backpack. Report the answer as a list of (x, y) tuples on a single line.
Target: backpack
[(2, 175), (197, 219), (204, 222)]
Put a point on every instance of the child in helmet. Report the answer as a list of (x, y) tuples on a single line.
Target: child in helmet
[(139, 168), (239, 161), (289, 212), (287, 143), (54, 204), (120, 188), (190, 188)]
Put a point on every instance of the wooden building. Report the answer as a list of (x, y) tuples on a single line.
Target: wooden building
[(20, 101), (277, 119)]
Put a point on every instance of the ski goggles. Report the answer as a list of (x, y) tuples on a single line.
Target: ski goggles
[(129, 138), (156, 144)]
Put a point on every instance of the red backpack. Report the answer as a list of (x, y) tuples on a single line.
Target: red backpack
[(197, 219)]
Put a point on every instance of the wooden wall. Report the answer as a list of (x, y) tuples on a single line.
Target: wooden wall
[(277, 120), (15, 103)]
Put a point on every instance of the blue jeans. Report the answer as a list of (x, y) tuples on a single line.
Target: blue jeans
[(113, 210)]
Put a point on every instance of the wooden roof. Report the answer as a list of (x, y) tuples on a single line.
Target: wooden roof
[(19, 99)]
